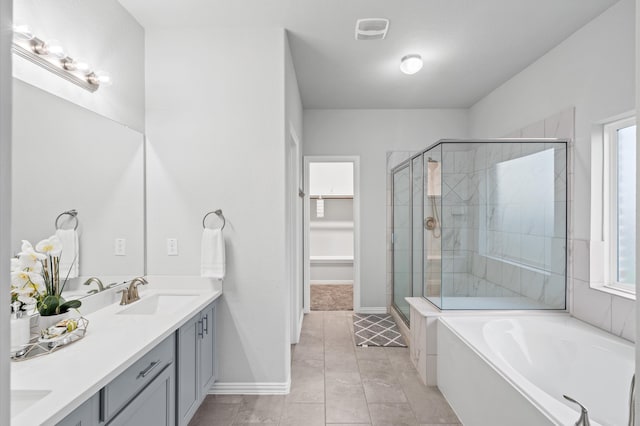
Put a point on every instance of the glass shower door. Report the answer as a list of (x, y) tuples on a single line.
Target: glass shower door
[(402, 239), (417, 221)]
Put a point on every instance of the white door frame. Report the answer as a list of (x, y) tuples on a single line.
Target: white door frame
[(355, 160), (294, 233)]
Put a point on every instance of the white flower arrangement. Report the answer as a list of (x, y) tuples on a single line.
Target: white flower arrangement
[(35, 279)]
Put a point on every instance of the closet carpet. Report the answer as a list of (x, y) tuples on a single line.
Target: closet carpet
[(331, 297)]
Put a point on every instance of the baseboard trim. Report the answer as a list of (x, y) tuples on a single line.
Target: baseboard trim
[(221, 388), (373, 310), (331, 282)]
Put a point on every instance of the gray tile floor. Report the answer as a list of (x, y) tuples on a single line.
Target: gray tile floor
[(334, 382)]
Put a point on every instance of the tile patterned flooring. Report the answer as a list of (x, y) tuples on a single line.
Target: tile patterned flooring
[(333, 382)]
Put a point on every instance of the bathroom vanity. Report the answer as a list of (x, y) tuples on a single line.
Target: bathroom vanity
[(147, 363)]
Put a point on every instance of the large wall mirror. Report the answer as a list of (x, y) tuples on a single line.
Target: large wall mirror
[(67, 157)]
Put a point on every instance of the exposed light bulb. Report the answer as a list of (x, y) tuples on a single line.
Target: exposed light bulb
[(23, 32), (411, 64), (82, 66), (77, 65), (104, 78), (54, 48)]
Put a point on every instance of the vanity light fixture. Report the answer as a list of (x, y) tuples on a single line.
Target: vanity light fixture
[(51, 56), (411, 64)]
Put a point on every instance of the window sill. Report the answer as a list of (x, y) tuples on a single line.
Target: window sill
[(614, 291)]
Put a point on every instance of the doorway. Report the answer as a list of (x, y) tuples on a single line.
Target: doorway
[(293, 234), (331, 232)]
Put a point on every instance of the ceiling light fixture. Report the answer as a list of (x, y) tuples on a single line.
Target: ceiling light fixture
[(411, 64), (51, 56)]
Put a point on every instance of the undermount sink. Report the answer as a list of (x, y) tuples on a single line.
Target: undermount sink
[(23, 399), (158, 303)]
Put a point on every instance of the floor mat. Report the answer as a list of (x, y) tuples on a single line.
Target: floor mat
[(376, 330)]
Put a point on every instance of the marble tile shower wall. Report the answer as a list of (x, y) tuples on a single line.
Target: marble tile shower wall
[(495, 219)]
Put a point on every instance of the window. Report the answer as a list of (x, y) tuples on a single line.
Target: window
[(620, 213)]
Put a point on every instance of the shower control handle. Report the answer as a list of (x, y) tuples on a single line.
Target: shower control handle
[(430, 223)]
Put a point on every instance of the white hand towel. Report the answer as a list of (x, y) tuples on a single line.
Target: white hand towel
[(212, 263), (70, 257)]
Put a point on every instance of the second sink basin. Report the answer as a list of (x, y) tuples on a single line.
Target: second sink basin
[(23, 399), (158, 303)]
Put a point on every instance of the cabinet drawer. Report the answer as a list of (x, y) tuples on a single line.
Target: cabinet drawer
[(127, 385), (153, 406)]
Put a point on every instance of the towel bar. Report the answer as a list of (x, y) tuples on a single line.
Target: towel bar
[(74, 215), (219, 214)]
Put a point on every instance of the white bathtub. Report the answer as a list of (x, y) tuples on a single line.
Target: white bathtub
[(497, 370)]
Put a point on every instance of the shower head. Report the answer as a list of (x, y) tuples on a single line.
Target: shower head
[(431, 160)]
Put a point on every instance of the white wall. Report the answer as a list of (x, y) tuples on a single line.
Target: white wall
[(330, 179), (5, 201), (102, 33), (370, 134), (216, 132), (593, 70), (293, 102)]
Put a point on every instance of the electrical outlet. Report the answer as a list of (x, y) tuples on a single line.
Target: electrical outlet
[(172, 246), (120, 247)]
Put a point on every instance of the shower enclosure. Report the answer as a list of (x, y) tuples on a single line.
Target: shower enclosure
[(481, 224)]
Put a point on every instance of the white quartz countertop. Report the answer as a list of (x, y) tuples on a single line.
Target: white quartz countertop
[(112, 343)]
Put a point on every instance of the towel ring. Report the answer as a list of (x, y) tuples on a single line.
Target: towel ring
[(74, 215), (219, 214)]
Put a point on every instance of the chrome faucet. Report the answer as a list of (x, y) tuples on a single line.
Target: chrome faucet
[(125, 296), (133, 288), (584, 415), (97, 281)]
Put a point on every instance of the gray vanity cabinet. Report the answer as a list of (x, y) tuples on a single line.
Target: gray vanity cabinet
[(84, 415), (164, 387), (196, 363), (153, 406), (144, 394), (207, 348)]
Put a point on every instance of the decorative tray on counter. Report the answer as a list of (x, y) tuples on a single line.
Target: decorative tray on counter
[(53, 338)]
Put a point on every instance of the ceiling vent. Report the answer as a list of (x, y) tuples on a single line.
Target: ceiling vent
[(372, 28)]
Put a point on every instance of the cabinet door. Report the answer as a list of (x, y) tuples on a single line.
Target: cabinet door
[(153, 406), (85, 415), (188, 359), (207, 351)]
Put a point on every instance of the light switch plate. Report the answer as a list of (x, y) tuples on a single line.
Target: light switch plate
[(120, 247), (172, 246)]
